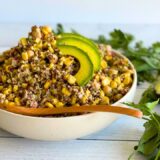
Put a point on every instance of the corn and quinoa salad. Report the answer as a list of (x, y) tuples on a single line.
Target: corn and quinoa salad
[(34, 74)]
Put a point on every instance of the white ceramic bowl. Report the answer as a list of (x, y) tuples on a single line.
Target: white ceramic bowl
[(62, 128)]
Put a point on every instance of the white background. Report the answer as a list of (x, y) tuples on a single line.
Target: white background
[(81, 11)]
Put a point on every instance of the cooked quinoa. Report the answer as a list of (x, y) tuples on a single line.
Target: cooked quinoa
[(35, 74)]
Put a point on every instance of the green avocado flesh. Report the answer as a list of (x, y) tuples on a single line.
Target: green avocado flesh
[(64, 35), (85, 72), (85, 44)]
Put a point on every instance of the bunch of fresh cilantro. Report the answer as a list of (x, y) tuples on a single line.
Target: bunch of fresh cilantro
[(149, 144)]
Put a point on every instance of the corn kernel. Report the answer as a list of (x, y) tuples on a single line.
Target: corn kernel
[(127, 80), (51, 65), (23, 41), (118, 80), (25, 56), (106, 81), (87, 93), (53, 43), (7, 91), (107, 89), (42, 62), (11, 96), (102, 94), (55, 100), (97, 77), (10, 87), (6, 101), (42, 55), (124, 75), (7, 68), (66, 76), (84, 99), (105, 100), (96, 85), (68, 61), (4, 78), (17, 100), (62, 61), (103, 64), (96, 101), (15, 88), (46, 29), (108, 57), (37, 46), (71, 79), (45, 45), (73, 100), (49, 105), (130, 71), (11, 103), (114, 84), (47, 84), (113, 71), (24, 85), (54, 80), (37, 40), (125, 68), (66, 92), (25, 66), (50, 49), (1, 87), (121, 86), (59, 104), (30, 53)]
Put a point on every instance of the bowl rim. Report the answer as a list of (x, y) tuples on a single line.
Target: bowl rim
[(88, 114)]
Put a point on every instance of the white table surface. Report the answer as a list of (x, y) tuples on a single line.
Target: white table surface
[(113, 143)]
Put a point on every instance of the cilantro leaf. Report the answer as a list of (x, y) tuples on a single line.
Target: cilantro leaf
[(150, 140), (146, 108), (59, 29), (120, 40)]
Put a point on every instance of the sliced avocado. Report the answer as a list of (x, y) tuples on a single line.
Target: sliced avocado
[(85, 72), (74, 35), (84, 44)]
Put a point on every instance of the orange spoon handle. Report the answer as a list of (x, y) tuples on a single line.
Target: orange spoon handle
[(73, 109)]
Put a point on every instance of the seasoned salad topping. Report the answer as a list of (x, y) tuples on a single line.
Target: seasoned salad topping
[(36, 73)]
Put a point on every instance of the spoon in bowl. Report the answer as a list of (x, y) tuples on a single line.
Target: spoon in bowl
[(73, 109)]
